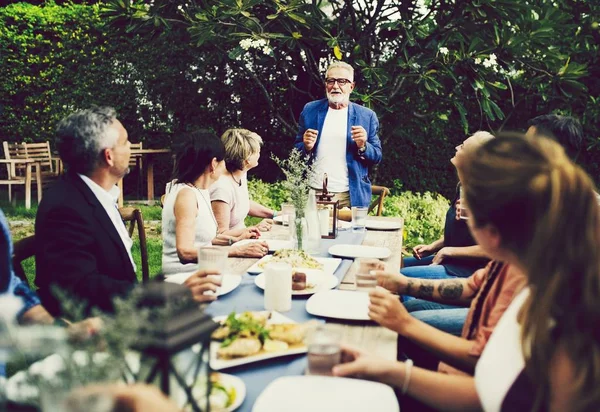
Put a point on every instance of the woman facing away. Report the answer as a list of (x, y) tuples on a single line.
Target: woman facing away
[(454, 255), (187, 218), (229, 195), (530, 207)]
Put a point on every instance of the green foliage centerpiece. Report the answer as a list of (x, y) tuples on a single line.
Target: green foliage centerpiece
[(299, 172)]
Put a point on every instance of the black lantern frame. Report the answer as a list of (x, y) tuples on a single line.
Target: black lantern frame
[(325, 201)]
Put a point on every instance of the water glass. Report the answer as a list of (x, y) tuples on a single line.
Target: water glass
[(213, 259), (287, 209), (324, 351), (464, 212), (365, 278), (359, 218)]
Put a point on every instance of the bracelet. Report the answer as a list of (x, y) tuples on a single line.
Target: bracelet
[(408, 364)]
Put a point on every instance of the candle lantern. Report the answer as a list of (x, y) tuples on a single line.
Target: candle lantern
[(175, 324), (328, 212)]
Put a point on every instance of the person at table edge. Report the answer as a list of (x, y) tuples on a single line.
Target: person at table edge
[(341, 137), (82, 244)]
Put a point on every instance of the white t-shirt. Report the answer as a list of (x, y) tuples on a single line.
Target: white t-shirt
[(237, 198), (331, 152), (206, 228), (502, 360)]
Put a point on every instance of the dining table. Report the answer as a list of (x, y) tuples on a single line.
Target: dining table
[(363, 335)]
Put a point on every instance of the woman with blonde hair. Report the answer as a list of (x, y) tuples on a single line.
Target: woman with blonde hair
[(187, 218), (531, 207), (229, 196)]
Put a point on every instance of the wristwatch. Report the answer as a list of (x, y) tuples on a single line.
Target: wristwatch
[(363, 149), (230, 240)]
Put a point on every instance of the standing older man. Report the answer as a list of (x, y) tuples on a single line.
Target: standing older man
[(342, 137), (83, 245)]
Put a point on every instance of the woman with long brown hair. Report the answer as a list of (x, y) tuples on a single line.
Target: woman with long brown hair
[(531, 207)]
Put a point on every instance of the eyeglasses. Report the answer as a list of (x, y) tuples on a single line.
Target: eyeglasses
[(342, 82)]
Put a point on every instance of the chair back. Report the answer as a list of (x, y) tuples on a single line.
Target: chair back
[(13, 151), (136, 159), (23, 249), (381, 192), (42, 153), (132, 216)]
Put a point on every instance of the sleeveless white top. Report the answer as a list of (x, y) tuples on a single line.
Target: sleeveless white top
[(502, 361), (206, 228)]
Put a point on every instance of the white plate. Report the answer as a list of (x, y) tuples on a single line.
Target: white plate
[(382, 224), (360, 251), (218, 364), (342, 224), (325, 393), (339, 304), (228, 283), (316, 277), (228, 381), (330, 265), (274, 244)]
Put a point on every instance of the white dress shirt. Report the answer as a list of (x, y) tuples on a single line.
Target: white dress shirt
[(108, 200)]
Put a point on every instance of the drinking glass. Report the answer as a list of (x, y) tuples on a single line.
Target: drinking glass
[(464, 212), (287, 209), (324, 351), (213, 259), (365, 278), (359, 218)]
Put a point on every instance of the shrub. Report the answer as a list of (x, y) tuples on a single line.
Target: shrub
[(423, 215)]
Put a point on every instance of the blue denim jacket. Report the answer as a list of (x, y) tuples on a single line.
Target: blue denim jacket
[(313, 117)]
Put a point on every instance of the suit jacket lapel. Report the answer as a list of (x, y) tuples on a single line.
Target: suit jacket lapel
[(101, 217)]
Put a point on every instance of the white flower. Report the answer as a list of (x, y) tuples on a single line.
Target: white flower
[(477, 60), (180, 8), (493, 57), (444, 50), (245, 43), (416, 66), (267, 50)]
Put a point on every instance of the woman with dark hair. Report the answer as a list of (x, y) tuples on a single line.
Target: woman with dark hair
[(533, 209), (187, 217)]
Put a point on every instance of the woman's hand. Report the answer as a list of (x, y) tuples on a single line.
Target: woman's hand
[(251, 232), (200, 283), (253, 250), (394, 282), (421, 251), (442, 254), (356, 363), (387, 310), (265, 225)]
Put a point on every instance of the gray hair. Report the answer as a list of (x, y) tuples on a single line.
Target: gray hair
[(240, 144), (83, 135), (481, 137), (341, 65)]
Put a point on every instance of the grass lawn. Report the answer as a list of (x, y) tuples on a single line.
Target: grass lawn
[(21, 223)]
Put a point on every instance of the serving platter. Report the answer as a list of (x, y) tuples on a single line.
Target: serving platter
[(220, 364), (359, 251), (373, 224), (330, 265), (339, 304), (317, 278)]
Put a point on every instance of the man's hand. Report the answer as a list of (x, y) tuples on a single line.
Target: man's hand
[(421, 251), (309, 138), (264, 225), (359, 135), (85, 329), (394, 282), (251, 232), (442, 254), (387, 310), (200, 283)]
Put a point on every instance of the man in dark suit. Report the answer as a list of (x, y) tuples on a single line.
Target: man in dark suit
[(83, 245), (342, 137)]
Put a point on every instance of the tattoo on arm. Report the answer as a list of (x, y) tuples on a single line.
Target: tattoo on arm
[(410, 288), (451, 289), (426, 289)]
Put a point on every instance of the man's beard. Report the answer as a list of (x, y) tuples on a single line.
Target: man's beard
[(340, 98)]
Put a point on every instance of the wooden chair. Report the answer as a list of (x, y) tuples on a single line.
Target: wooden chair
[(51, 167), (377, 204), (132, 216), (23, 249), (19, 169)]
